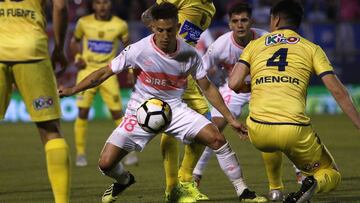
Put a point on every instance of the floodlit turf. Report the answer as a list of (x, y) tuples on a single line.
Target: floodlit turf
[(23, 176)]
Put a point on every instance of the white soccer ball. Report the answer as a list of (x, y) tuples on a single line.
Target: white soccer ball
[(154, 115)]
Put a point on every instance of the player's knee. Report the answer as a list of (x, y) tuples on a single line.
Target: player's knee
[(217, 141), (105, 164)]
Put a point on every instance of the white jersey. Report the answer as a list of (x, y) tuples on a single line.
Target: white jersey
[(161, 75), (224, 53)]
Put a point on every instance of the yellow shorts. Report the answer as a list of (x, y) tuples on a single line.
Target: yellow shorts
[(300, 144), (37, 86), (109, 91), (194, 98)]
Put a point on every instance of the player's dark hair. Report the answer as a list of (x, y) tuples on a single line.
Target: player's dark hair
[(289, 10), (164, 10), (239, 8)]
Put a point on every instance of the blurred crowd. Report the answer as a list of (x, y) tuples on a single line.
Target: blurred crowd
[(315, 10)]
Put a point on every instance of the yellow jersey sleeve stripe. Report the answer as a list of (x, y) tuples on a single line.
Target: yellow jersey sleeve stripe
[(244, 62), (326, 73)]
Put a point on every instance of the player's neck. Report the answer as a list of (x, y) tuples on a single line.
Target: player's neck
[(170, 49), (243, 41), (102, 18), (288, 27)]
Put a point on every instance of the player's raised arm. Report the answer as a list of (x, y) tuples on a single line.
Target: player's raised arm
[(237, 78), (94, 79), (342, 97), (60, 22), (216, 100)]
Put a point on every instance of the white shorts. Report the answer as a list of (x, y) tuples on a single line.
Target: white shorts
[(185, 125), (233, 101)]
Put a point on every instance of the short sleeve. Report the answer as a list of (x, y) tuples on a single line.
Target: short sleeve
[(322, 65), (79, 32), (245, 56), (210, 58), (124, 60)]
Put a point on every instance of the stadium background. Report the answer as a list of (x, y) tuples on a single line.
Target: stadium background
[(333, 24)]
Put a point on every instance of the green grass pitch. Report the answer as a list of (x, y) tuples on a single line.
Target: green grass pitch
[(23, 176)]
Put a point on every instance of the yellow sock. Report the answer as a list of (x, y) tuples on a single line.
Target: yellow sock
[(170, 152), (80, 129), (118, 121), (192, 154), (273, 167), (327, 179), (58, 167)]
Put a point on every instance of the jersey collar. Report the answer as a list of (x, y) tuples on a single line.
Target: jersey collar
[(163, 53)]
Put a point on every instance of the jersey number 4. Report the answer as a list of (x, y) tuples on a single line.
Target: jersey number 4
[(278, 59)]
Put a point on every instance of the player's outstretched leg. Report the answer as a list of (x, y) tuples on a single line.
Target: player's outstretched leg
[(201, 164), (229, 164), (110, 195), (192, 153), (110, 165), (57, 159), (273, 167), (305, 193), (210, 136)]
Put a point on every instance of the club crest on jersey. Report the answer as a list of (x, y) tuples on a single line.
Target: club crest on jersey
[(280, 39), (43, 102), (101, 34)]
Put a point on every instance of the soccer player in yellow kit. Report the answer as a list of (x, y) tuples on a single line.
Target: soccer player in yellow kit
[(99, 34), (195, 17), (25, 61), (280, 65)]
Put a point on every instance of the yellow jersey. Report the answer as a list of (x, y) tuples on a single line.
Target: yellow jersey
[(22, 30), (100, 39), (195, 17), (281, 64)]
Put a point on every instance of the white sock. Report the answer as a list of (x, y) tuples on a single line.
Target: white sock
[(204, 159), (119, 174), (230, 165)]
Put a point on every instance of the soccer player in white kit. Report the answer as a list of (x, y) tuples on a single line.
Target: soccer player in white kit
[(164, 61), (224, 53)]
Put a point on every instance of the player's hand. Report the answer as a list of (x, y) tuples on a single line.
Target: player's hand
[(80, 63), (65, 92), (240, 128), (58, 59)]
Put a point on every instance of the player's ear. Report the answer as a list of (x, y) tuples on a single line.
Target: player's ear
[(277, 21), (251, 21), (152, 27)]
